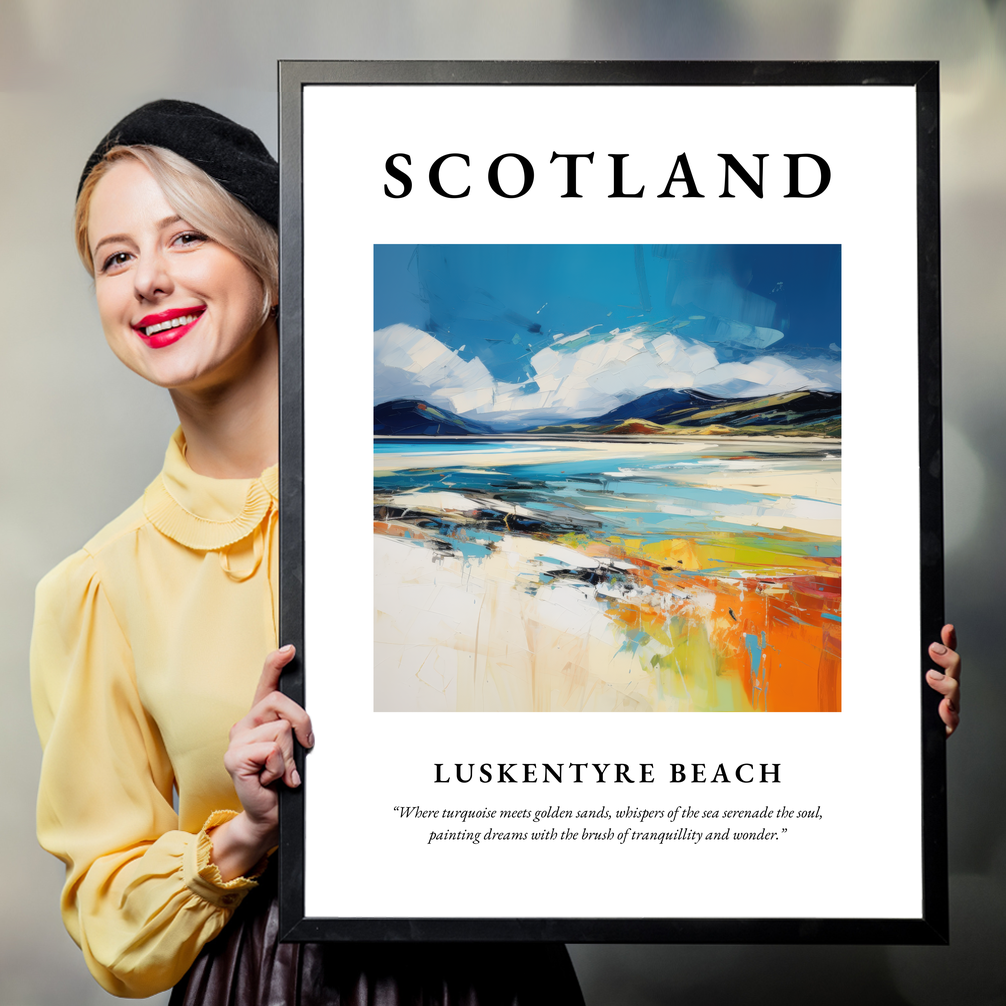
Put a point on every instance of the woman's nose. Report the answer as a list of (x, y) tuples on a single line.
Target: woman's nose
[(152, 277)]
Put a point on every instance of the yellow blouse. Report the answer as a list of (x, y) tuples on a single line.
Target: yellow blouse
[(147, 647)]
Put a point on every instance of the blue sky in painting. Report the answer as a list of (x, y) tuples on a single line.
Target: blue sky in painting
[(498, 330)]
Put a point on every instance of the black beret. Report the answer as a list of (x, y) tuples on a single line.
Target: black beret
[(231, 154)]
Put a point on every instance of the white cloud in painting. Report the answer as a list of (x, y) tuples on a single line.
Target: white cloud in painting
[(578, 376), (409, 363)]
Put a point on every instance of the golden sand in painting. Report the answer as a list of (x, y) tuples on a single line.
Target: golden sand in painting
[(493, 593)]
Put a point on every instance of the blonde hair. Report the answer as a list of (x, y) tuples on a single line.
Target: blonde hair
[(199, 200)]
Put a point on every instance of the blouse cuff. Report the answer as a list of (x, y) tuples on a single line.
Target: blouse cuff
[(202, 876)]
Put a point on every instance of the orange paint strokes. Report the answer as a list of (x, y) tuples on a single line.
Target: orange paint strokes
[(399, 530), (798, 668), (768, 641), (800, 644)]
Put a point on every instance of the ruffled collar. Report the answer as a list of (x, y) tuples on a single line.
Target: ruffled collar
[(203, 513)]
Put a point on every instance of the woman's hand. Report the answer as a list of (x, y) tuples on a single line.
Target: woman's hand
[(260, 753), (948, 681)]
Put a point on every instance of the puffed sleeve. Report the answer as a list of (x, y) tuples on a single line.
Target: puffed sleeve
[(141, 898)]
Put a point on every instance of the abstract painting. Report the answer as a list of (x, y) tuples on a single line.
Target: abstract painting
[(607, 478)]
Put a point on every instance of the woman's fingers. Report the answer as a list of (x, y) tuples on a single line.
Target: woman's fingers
[(277, 706), (271, 670), (949, 689), (270, 703), (274, 766), (949, 636), (278, 735), (261, 749), (947, 680), (261, 761), (948, 658), (950, 716), (944, 684)]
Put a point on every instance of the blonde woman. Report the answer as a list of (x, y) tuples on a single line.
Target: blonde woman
[(165, 737)]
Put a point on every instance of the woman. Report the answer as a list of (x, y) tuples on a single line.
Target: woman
[(149, 642)]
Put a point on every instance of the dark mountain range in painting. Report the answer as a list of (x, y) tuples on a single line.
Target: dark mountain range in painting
[(408, 418), (660, 413), (670, 408)]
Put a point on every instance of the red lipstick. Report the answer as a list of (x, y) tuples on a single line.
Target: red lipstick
[(165, 333)]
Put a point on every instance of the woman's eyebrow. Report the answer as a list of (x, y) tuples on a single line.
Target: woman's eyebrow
[(160, 225), (109, 240)]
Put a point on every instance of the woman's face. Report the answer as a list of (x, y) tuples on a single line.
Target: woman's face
[(177, 308)]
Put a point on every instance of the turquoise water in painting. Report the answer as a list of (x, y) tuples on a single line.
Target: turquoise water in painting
[(648, 491)]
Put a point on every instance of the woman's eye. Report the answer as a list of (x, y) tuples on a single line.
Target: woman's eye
[(190, 238), (114, 261)]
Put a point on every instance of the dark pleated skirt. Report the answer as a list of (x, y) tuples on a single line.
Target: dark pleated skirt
[(246, 965)]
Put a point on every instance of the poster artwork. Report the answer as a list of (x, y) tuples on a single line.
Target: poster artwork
[(607, 478), (628, 335)]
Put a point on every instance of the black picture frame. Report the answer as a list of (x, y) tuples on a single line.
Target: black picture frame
[(932, 926)]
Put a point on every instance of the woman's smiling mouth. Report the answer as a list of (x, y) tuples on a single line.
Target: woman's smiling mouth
[(166, 327)]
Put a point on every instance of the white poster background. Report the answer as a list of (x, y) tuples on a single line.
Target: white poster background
[(862, 859)]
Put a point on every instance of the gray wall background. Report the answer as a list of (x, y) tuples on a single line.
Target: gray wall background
[(82, 436)]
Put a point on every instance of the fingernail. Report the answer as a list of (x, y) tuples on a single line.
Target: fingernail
[(938, 648), (310, 740), (295, 777), (287, 649), (936, 675)]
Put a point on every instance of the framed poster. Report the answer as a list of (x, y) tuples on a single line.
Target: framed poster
[(613, 622)]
